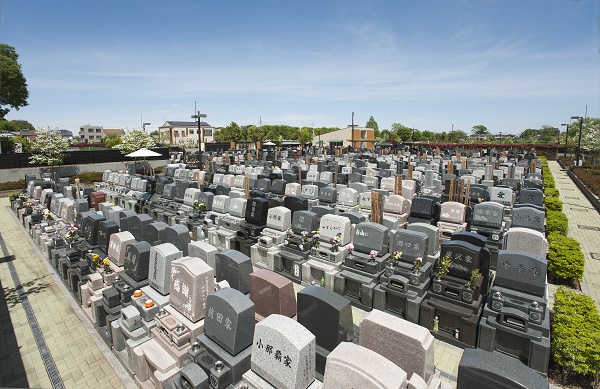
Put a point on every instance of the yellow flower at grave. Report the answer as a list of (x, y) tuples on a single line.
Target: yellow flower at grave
[(106, 262)]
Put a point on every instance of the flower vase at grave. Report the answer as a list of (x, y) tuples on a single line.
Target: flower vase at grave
[(109, 278)]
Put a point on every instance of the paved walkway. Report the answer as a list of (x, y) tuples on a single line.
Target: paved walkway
[(62, 353), (584, 225)]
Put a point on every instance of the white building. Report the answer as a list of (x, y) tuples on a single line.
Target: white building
[(363, 137), (185, 134)]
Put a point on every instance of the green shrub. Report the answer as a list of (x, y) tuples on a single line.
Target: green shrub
[(553, 204), (87, 178), (556, 221), (565, 258), (576, 335), (549, 180), (12, 185), (551, 192)]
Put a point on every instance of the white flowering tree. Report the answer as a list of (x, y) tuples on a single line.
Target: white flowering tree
[(590, 140), (136, 139), (48, 148)]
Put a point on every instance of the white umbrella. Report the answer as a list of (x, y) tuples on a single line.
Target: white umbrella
[(144, 152)]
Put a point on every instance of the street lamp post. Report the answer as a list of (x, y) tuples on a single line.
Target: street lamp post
[(578, 153), (352, 126), (199, 116), (566, 138)]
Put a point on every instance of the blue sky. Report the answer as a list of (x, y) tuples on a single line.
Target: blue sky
[(507, 64)]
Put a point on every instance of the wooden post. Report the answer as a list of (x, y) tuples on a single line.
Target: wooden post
[(461, 188), (463, 163), (376, 208), (398, 184), (247, 187), (451, 190), (437, 151), (410, 172), (467, 193), (77, 186), (335, 175), (533, 165), (450, 168)]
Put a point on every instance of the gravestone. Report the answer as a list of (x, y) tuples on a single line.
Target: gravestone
[(137, 260), (154, 233), (117, 246), (90, 227), (283, 354), (272, 294), (526, 239), (234, 267), (178, 235), (406, 344), (485, 370), (137, 224), (328, 316), (159, 274), (106, 229), (354, 366), (529, 217), (204, 251), (191, 282)]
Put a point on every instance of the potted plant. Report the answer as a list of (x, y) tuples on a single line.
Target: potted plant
[(315, 239), (335, 243), (445, 264), (396, 256), (373, 254), (108, 274), (475, 277), (418, 262)]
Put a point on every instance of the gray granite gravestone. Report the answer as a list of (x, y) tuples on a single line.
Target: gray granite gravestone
[(283, 354), (159, 273), (234, 267)]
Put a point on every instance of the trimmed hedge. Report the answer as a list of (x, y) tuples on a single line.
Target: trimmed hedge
[(556, 221), (12, 185), (565, 259), (576, 335), (553, 204), (551, 192), (88, 178)]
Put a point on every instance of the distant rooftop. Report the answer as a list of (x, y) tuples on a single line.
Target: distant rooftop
[(184, 124)]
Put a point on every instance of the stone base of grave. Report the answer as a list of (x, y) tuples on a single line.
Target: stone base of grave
[(151, 373), (258, 255), (357, 287), (513, 333), (403, 303), (212, 352), (289, 264), (453, 315), (314, 270), (223, 239), (254, 381)]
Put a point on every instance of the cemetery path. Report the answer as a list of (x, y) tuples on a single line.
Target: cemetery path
[(59, 346), (584, 225)]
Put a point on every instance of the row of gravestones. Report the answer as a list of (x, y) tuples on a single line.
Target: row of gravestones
[(370, 292), (289, 343)]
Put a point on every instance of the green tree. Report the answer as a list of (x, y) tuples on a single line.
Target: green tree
[(480, 129), (403, 132), (459, 135), (25, 143), (548, 134), (372, 124), (48, 148), (256, 134), (136, 139), (231, 133), (304, 136), (9, 126), (23, 124), (112, 140), (13, 92)]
